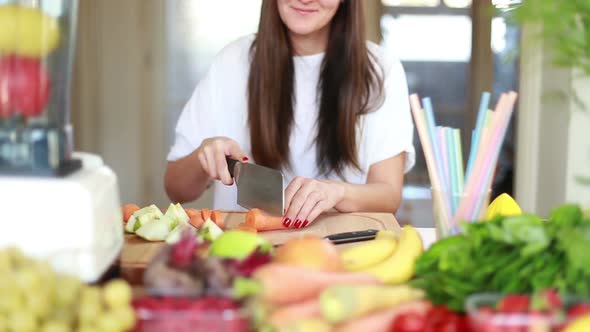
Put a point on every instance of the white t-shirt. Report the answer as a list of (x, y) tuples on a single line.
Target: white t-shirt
[(219, 107)]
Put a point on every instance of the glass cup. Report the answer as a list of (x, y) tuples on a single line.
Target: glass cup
[(447, 222)]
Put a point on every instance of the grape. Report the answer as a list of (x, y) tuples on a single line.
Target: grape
[(22, 321), (117, 293), (89, 311), (125, 315), (3, 323), (33, 298), (11, 300), (69, 288), (39, 305), (55, 326), (5, 262), (108, 322)]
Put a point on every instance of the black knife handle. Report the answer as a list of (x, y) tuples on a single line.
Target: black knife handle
[(231, 164), (356, 236)]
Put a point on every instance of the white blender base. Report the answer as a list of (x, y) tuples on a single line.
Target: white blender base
[(74, 223)]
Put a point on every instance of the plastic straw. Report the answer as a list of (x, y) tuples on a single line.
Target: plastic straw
[(440, 134), (459, 159), (420, 121), (496, 145), (488, 155), (453, 169), (470, 189), (431, 124), (481, 115)]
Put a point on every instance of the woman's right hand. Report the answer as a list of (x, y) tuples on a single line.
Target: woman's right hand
[(212, 154)]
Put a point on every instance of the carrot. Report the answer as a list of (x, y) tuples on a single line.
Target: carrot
[(196, 220), (285, 284), (217, 218), (296, 311), (381, 321), (128, 211), (191, 212), (263, 222), (206, 214), (246, 228)]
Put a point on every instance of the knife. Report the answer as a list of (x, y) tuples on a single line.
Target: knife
[(355, 236), (258, 186)]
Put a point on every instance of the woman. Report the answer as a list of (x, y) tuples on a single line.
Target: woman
[(308, 95)]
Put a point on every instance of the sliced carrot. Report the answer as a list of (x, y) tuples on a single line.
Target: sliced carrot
[(128, 211), (217, 218), (191, 212), (206, 214), (197, 221), (263, 222), (246, 228), (293, 312)]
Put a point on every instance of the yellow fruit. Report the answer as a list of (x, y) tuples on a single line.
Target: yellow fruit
[(367, 253), (386, 234), (400, 267), (307, 325), (27, 31), (503, 205), (339, 303), (581, 324)]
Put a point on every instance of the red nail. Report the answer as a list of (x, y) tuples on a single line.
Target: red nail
[(287, 222), (297, 223), (305, 223), (245, 159)]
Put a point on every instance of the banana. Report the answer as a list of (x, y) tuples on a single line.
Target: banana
[(399, 267), (339, 303), (386, 234), (368, 253)]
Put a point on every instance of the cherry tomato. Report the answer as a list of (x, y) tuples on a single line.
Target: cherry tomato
[(408, 322), (24, 86)]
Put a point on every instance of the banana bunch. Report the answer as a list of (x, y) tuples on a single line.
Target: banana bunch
[(389, 258)]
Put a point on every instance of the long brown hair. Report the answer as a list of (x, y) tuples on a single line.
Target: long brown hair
[(350, 85)]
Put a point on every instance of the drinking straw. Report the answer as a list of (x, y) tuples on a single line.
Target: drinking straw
[(440, 134), (496, 145), (459, 160), (453, 169), (476, 137), (419, 119), (470, 189), (431, 124)]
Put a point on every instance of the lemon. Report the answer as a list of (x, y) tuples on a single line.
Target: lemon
[(503, 205), (581, 324), (27, 31)]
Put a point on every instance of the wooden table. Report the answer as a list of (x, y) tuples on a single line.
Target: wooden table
[(137, 253)]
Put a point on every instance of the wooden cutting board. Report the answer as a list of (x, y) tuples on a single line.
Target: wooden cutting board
[(137, 253)]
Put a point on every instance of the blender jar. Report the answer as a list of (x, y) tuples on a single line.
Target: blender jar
[(37, 40)]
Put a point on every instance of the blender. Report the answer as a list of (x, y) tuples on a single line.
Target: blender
[(57, 204)]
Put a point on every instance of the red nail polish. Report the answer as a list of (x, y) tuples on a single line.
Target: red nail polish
[(245, 159), (297, 223), (305, 223), (287, 222)]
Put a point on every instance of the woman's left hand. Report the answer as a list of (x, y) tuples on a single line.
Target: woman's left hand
[(306, 199)]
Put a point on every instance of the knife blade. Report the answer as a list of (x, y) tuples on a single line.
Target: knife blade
[(258, 186)]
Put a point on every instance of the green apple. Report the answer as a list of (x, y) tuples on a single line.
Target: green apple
[(237, 244), (141, 217), (177, 213), (155, 230), (176, 233), (210, 231)]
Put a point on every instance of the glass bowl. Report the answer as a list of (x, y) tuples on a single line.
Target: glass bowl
[(179, 314), (484, 318)]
